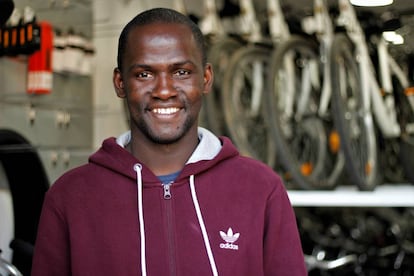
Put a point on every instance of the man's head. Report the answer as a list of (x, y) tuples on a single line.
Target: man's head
[(163, 75), (161, 15)]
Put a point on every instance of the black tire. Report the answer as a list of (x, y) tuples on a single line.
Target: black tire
[(248, 127), (27, 189), (302, 140), (355, 125)]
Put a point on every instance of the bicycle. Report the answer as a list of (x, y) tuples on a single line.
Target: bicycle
[(362, 108), (221, 44), (299, 108), (244, 85)]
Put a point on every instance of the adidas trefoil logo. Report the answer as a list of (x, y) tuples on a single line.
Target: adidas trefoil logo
[(229, 238)]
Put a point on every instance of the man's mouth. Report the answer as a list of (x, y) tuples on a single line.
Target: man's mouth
[(165, 111)]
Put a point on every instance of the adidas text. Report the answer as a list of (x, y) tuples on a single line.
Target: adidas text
[(229, 246)]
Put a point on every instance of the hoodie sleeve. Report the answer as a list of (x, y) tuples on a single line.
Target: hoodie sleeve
[(51, 254), (283, 255)]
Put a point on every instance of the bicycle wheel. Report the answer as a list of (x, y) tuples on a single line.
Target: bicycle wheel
[(219, 53), (354, 121), (243, 92), (307, 144)]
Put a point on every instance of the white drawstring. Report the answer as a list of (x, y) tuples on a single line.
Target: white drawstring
[(138, 168), (203, 227)]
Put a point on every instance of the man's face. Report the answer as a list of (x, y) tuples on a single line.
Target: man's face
[(163, 80)]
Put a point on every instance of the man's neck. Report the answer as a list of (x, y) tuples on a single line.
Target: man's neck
[(163, 159)]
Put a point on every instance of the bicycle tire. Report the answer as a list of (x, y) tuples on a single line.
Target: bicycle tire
[(302, 140), (396, 154), (355, 125), (212, 111), (248, 126)]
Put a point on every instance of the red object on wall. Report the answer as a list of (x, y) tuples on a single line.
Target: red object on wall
[(40, 76)]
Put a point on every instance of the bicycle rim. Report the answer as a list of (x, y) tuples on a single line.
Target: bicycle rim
[(355, 125), (243, 92), (300, 134)]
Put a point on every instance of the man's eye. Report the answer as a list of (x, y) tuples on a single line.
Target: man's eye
[(182, 72), (143, 75)]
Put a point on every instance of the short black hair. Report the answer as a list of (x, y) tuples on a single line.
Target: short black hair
[(161, 15)]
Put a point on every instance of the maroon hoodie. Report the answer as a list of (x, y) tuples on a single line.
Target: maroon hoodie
[(228, 215)]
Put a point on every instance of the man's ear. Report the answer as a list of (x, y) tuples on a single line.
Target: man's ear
[(208, 78), (118, 83)]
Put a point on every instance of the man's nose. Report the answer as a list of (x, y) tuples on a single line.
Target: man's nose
[(164, 87)]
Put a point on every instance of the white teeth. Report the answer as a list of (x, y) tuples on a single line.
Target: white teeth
[(165, 111)]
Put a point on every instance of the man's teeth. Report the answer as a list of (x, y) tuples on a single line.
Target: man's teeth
[(165, 111)]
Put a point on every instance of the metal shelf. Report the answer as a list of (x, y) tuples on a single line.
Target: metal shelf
[(386, 195)]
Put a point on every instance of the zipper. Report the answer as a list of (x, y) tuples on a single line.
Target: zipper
[(167, 190), (169, 225)]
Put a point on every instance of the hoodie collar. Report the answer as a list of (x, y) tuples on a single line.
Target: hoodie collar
[(208, 147)]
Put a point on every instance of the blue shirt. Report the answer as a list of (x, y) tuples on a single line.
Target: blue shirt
[(168, 178)]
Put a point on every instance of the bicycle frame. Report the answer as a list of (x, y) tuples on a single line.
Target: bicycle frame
[(279, 29), (250, 28), (323, 28), (382, 107), (210, 23), (247, 76)]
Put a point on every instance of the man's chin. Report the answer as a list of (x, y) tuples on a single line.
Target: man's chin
[(165, 138)]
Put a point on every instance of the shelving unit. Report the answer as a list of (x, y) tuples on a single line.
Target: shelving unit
[(387, 195)]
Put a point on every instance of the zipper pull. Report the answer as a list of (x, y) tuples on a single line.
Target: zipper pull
[(167, 190)]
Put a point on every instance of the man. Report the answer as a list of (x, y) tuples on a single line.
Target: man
[(168, 197)]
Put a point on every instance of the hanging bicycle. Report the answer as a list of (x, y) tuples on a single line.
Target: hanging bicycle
[(299, 109), (359, 100)]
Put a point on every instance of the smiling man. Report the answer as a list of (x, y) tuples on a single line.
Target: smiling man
[(163, 75), (167, 197)]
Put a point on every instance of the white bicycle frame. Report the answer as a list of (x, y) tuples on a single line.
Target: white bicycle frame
[(279, 30), (249, 28), (320, 24), (382, 107), (211, 24)]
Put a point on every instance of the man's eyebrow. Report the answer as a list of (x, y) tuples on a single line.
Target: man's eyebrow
[(181, 63), (149, 67), (138, 65)]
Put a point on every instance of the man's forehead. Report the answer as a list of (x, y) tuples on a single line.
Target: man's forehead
[(161, 33), (164, 26)]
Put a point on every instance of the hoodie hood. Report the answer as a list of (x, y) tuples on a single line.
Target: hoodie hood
[(210, 151), (207, 149)]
